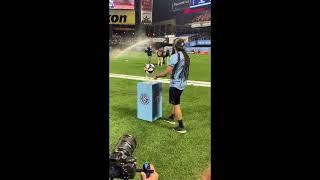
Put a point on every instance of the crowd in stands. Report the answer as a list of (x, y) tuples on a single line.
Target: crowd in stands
[(201, 36), (122, 38), (126, 38), (206, 16)]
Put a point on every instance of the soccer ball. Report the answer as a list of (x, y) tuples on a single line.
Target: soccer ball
[(149, 68)]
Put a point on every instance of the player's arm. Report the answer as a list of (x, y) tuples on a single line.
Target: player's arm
[(167, 71), (173, 60)]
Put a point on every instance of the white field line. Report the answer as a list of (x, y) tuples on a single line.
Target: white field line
[(142, 78)]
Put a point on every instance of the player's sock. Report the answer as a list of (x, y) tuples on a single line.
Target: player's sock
[(180, 123), (180, 128)]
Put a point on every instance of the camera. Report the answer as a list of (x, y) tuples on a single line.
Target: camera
[(122, 163)]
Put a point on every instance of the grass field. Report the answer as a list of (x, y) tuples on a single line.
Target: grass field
[(175, 156)]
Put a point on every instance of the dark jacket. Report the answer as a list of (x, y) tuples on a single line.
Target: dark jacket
[(149, 51), (167, 53)]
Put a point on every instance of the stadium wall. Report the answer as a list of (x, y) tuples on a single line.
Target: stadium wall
[(198, 43), (196, 50), (199, 50)]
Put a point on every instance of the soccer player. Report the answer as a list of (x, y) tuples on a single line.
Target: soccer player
[(178, 67), (167, 56), (149, 53), (160, 57)]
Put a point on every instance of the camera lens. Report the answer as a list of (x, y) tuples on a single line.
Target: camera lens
[(127, 144)]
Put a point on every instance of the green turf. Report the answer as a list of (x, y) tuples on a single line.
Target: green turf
[(132, 63), (175, 156)]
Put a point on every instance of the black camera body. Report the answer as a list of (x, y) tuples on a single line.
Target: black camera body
[(122, 166), (122, 163)]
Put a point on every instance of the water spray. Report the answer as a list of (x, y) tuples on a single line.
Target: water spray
[(141, 42)]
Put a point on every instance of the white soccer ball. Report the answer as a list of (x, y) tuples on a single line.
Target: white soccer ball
[(149, 68)]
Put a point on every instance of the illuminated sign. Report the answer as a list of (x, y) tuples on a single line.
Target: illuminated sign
[(178, 5), (146, 11), (201, 24), (197, 3), (190, 11), (122, 17), (158, 39), (121, 4)]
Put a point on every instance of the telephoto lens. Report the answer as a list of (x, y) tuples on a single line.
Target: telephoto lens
[(126, 144), (122, 162)]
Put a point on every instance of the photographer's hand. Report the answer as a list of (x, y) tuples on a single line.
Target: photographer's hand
[(206, 175), (153, 176)]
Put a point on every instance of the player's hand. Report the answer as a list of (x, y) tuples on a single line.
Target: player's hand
[(155, 77), (153, 176)]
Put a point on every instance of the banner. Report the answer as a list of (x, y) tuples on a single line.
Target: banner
[(185, 38), (126, 17), (158, 39), (198, 3), (121, 4), (199, 43), (198, 50), (171, 39), (146, 11), (179, 5), (200, 24), (203, 42)]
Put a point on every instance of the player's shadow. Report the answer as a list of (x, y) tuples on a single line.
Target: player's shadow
[(162, 124), (126, 111), (132, 112)]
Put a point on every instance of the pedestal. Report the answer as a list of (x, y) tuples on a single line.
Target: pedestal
[(149, 100)]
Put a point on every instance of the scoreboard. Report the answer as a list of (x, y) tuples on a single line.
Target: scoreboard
[(198, 3)]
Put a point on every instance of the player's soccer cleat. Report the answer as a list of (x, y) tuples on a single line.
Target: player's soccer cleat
[(180, 129), (170, 120)]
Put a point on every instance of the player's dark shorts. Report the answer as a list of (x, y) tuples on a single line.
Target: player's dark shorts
[(174, 95)]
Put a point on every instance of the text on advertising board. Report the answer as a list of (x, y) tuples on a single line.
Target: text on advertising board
[(122, 17)]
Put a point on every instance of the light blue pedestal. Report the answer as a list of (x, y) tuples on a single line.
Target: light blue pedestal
[(149, 100)]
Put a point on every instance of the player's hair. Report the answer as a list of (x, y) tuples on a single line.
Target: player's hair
[(178, 45), (173, 48)]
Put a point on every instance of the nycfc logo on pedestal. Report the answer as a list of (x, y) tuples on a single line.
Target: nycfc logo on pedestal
[(144, 99)]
